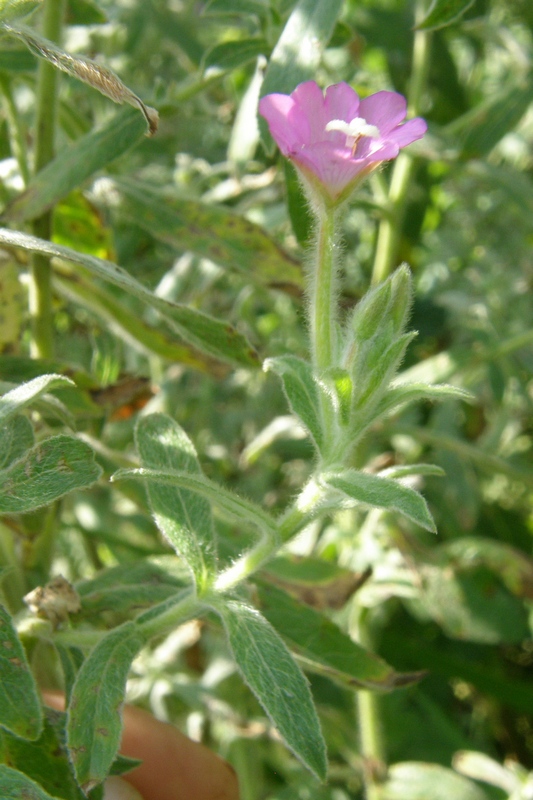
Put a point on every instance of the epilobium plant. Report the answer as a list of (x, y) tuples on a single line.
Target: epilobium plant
[(337, 395), (347, 384)]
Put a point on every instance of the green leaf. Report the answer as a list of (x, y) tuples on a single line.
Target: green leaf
[(471, 604), (123, 764), (74, 165), (15, 60), (444, 12), (209, 231), (85, 12), (15, 9), (298, 52), (405, 470), (480, 129), (14, 401), (232, 55), (513, 566), (46, 759), (127, 589), (402, 393), (218, 339), (126, 323), (419, 781), (301, 390), (323, 647), (20, 706), (14, 785), (260, 7), (182, 516), (94, 715), (49, 470), (342, 389), (100, 78), (278, 683), (318, 583), (16, 436), (235, 507), (373, 369), (373, 490), (302, 220), (71, 660)]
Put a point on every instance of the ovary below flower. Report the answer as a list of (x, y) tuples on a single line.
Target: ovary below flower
[(335, 139)]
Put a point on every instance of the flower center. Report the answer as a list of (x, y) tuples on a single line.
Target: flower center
[(353, 130)]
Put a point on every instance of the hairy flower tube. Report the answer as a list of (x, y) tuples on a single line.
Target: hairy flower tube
[(335, 139)]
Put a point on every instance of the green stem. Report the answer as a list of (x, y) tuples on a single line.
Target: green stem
[(296, 518), (322, 306), (40, 291), (369, 717), (391, 224)]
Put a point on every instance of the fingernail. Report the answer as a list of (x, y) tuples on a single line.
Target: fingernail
[(117, 789)]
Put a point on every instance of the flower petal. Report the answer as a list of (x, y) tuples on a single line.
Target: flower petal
[(276, 109), (409, 132), (341, 102), (384, 109), (309, 106)]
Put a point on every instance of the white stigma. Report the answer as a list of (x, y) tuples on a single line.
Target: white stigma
[(353, 130)]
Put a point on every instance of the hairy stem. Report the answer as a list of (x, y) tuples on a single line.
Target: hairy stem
[(40, 292), (322, 300)]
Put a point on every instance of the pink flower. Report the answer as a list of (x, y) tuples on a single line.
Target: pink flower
[(336, 139)]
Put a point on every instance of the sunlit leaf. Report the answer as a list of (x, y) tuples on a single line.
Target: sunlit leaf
[(272, 674), (75, 164), (17, 399), (375, 491), (218, 339), (183, 516), (48, 471)]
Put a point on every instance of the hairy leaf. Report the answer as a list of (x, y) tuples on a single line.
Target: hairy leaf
[(14, 785), (183, 516), (20, 706), (14, 401), (48, 471), (94, 715), (278, 683), (216, 338), (373, 490), (74, 165), (237, 508), (15, 438), (100, 78), (302, 392)]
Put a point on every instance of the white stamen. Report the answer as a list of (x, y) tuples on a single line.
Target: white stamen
[(353, 130)]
